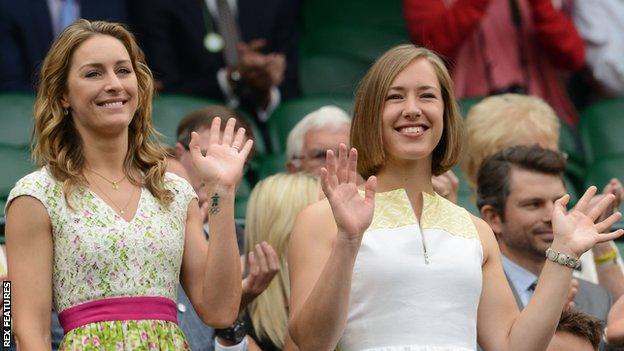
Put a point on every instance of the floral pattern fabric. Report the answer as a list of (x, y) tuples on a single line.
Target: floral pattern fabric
[(98, 254)]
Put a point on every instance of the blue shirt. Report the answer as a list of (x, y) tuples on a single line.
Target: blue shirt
[(521, 280)]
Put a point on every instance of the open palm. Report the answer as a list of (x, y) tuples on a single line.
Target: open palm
[(225, 157), (352, 212), (576, 229)]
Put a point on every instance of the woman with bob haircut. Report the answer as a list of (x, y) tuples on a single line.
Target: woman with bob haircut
[(398, 267), (273, 206), (100, 231)]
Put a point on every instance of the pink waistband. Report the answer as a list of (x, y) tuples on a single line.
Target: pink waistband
[(119, 309)]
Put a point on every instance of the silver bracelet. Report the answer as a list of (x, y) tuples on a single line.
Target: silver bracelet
[(562, 259)]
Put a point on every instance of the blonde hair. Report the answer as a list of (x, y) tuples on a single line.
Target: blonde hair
[(56, 142), (500, 121), (273, 206), (366, 128)]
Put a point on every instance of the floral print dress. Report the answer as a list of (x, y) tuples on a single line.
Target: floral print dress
[(98, 254)]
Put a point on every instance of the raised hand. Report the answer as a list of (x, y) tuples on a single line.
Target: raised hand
[(225, 156), (576, 231), (263, 265), (352, 212)]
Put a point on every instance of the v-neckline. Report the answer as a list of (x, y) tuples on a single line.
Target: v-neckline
[(111, 209)]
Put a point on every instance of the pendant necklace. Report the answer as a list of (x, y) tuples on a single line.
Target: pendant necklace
[(114, 183)]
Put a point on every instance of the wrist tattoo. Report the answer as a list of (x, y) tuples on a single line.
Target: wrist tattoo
[(214, 206)]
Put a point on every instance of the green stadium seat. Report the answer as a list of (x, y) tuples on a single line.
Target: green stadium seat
[(17, 118), (325, 74), (465, 198), (362, 13), (286, 116), (575, 170), (16, 163), (354, 42), (270, 164), (602, 130), (242, 195), (168, 110), (466, 104)]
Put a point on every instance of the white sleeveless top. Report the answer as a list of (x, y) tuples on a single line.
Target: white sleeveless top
[(399, 302)]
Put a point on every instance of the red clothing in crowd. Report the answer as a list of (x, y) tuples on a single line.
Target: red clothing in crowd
[(497, 45)]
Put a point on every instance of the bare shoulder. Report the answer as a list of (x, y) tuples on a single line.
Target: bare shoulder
[(315, 223), (488, 241)]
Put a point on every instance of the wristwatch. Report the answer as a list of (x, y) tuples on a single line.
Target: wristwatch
[(236, 333), (562, 259)]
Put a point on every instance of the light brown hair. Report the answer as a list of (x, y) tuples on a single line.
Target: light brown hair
[(366, 127), (56, 142), (505, 120)]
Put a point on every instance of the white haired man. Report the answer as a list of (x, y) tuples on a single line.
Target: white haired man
[(317, 132)]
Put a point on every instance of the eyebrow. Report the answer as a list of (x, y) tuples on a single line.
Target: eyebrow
[(419, 88), (533, 199), (99, 65)]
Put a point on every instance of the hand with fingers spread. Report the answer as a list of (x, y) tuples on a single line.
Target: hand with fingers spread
[(575, 230), (263, 265), (352, 212), (225, 156)]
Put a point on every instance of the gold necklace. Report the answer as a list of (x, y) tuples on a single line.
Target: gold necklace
[(114, 183), (122, 211)]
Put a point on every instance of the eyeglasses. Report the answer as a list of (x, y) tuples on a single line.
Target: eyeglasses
[(316, 155)]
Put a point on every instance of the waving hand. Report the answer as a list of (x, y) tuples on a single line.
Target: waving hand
[(576, 230), (225, 156), (352, 212)]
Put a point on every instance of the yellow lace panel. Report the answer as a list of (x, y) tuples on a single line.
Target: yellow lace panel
[(393, 210), (439, 213)]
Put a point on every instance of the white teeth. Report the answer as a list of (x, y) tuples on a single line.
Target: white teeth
[(415, 130), (113, 104)]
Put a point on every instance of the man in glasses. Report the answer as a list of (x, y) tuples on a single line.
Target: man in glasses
[(317, 132)]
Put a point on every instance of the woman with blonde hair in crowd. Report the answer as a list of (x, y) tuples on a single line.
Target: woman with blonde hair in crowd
[(399, 267), (273, 206), (100, 231)]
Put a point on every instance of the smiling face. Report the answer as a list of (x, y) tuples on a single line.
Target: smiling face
[(101, 86), (527, 228), (412, 116)]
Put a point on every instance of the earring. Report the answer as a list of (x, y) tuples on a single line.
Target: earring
[(65, 111)]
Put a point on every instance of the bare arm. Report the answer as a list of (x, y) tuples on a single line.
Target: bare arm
[(615, 323), (609, 274), (211, 273), (324, 251), (320, 279), (29, 253), (500, 326)]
